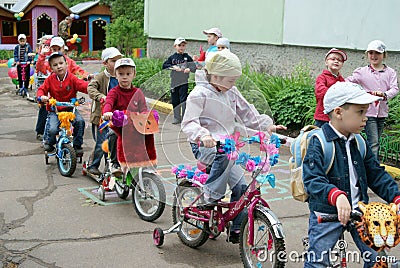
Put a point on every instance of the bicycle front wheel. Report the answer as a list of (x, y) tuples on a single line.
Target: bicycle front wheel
[(67, 160), (149, 202), (268, 250), (192, 232)]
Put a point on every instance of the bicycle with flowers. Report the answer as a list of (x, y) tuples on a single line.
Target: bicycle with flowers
[(262, 240)]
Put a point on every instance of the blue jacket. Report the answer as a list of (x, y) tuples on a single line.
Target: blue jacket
[(26, 57), (370, 173)]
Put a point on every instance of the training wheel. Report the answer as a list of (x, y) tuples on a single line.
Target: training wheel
[(46, 159), (101, 193), (158, 237)]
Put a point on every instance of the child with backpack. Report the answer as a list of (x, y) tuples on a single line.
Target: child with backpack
[(352, 172)]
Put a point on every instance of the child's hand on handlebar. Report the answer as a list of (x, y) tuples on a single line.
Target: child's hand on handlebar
[(274, 128), (44, 99), (107, 116), (208, 141), (343, 208)]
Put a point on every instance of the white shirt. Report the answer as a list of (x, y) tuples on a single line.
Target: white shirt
[(210, 112), (355, 191)]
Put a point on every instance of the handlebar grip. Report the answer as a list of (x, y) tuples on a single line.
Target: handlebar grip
[(327, 218)]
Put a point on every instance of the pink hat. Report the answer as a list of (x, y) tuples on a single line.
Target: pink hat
[(335, 50), (215, 31)]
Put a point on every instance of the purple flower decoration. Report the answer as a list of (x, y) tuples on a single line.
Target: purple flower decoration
[(119, 119)]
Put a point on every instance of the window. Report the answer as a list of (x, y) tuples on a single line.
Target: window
[(8, 5), (78, 27), (7, 27), (23, 27)]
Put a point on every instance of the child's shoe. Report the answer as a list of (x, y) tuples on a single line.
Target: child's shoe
[(78, 149), (48, 148), (234, 237), (116, 170)]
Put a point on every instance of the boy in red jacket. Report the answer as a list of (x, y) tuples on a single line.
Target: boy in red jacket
[(62, 86)]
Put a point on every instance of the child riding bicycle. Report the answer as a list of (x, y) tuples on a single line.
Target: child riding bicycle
[(349, 178), (134, 149), (214, 108), (62, 86)]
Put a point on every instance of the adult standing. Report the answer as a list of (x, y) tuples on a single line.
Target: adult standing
[(63, 28)]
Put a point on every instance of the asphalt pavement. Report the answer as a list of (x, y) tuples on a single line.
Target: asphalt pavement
[(47, 220)]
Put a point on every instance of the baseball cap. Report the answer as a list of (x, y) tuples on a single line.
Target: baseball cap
[(223, 42), (335, 50), (346, 92), (21, 36), (179, 40), (57, 41), (124, 62), (214, 30), (44, 38), (376, 45), (223, 63), (55, 55), (110, 53)]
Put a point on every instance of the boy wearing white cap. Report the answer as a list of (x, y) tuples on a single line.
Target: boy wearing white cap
[(378, 79), (334, 61), (22, 53), (181, 64), (223, 43), (98, 89), (214, 109), (339, 190)]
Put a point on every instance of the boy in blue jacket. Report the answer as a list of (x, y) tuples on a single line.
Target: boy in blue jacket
[(22, 59), (349, 178)]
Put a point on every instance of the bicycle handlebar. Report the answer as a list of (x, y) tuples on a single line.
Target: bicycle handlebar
[(354, 216)]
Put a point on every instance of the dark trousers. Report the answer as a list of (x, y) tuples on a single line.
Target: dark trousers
[(41, 120), (179, 95), (23, 75), (112, 146)]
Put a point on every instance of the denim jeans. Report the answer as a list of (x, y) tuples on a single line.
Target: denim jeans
[(373, 130), (41, 120), (323, 237), (99, 137), (52, 129), (222, 172)]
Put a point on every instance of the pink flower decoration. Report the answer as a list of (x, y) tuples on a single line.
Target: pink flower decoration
[(250, 165), (203, 178), (174, 169), (233, 155), (265, 165), (272, 150), (182, 173)]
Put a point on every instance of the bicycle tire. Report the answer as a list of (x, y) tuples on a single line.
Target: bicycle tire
[(192, 233), (122, 189), (149, 203), (276, 250), (67, 162)]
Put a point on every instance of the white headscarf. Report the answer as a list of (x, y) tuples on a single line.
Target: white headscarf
[(223, 63)]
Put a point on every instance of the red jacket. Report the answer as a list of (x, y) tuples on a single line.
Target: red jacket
[(42, 65), (62, 90), (323, 82)]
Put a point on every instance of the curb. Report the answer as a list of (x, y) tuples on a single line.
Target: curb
[(393, 171), (159, 105)]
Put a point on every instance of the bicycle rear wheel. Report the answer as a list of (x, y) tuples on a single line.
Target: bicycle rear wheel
[(268, 250), (67, 161), (149, 203), (192, 232)]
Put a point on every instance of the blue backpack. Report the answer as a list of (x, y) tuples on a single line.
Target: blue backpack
[(298, 149)]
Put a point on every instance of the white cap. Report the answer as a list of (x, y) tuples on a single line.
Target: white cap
[(110, 53), (376, 45), (215, 31), (179, 40), (21, 36), (57, 41), (223, 42), (124, 62), (346, 92)]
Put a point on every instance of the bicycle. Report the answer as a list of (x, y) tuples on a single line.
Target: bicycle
[(261, 232), (24, 90), (148, 192), (65, 152)]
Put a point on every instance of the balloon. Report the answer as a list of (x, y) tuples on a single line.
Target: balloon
[(72, 15), (76, 17), (12, 72), (16, 15), (78, 40), (18, 18), (75, 36), (31, 80), (10, 62), (72, 41), (15, 81), (31, 72), (21, 14)]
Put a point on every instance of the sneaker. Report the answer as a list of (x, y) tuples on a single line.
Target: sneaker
[(116, 170), (176, 121), (208, 205), (78, 149), (48, 148), (234, 237), (39, 137), (94, 171)]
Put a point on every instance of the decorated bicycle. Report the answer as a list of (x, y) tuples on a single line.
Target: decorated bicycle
[(262, 240)]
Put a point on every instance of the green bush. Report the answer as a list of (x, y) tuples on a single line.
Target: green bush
[(6, 54)]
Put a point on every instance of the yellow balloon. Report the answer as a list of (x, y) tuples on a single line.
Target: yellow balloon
[(75, 36), (21, 14), (31, 80)]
